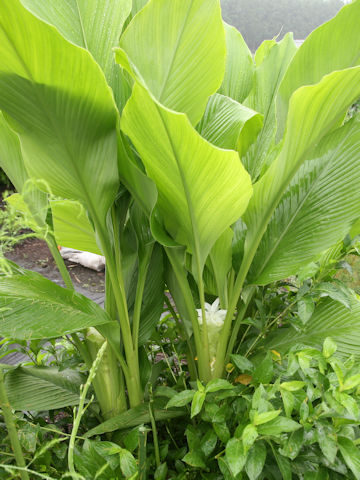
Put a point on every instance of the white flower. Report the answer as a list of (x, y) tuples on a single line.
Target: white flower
[(214, 316)]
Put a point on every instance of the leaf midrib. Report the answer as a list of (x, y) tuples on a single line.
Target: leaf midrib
[(171, 63), (186, 190)]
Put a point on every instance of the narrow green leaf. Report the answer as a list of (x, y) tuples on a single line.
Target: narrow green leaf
[(264, 371), (255, 461), (292, 447), (327, 444), (208, 442), (187, 72), (222, 431), (278, 425), (197, 403), (181, 399), (248, 437), (329, 347), (235, 455), (242, 363), (351, 382), (195, 459), (292, 386), (288, 401), (351, 455), (306, 307), (333, 290), (109, 451), (260, 418), (284, 465), (161, 472), (128, 464), (218, 384)]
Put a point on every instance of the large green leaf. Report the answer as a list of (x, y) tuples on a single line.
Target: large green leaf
[(316, 211), (42, 388), (66, 123), (228, 124), (11, 160), (33, 307), (333, 46), (72, 227), (95, 25), (186, 61), (314, 111), (330, 319), (267, 79), (202, 189), (239, 70)]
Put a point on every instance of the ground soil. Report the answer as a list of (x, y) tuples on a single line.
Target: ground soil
[(33, 254)]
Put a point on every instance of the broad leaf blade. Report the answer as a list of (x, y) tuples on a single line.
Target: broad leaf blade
[(95, 25), (66, 123), (42, 388), (314, 111), (333, 46), (33, 307), (316, 211), (189, 173), (186, 61)]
